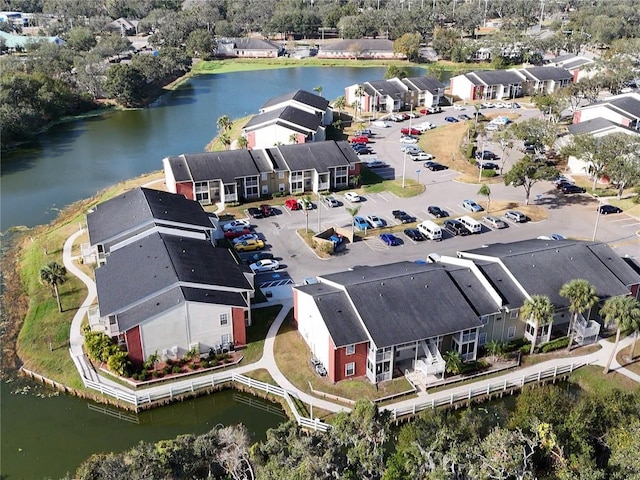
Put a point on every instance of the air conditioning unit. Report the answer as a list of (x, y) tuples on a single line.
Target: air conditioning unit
[(195, 346), (174, 350)]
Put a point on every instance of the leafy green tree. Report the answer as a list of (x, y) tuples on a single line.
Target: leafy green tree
[(539, 311), (624, 313), (624, 442), (318, 90), (408, 45), (623, 168), (201, 43), (526, 173), (582, 296), (506, 139), (395, 72), (506, 454), (126, 84), (53, 274), (538, 131), (80, 39)]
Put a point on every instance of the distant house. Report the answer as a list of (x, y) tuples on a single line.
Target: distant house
[(487, 85), (141, 211), (238, 175), (363, 48), (247, 47), (124, 26), (580, 67), (169, 294), (379, 322), (21, 42), (543, 80), (395, 94), (623, 110), (296, 117)]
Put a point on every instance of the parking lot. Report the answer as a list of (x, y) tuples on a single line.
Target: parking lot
[(573, 216)]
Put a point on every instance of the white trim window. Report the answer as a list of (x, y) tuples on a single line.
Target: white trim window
[(201, 190), (484, 319), (513, 314), (350, 349), (482, 338), (224, 319), (225, 338), (511, 333), (350, 369)]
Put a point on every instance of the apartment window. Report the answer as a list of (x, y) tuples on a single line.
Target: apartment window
[(264, 176), (484, 319), (224, 338), (280, 174), (511, 333), (202, 191), (513, 314), (350, 369), (482, 339), (350, 349), (224, 319), (341, 175), (281, 187)]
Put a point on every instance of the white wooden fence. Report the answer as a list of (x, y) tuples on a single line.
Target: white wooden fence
[(488, 389)]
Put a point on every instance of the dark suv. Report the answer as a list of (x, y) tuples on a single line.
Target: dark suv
[(455, 227)]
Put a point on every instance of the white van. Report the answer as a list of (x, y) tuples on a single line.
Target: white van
[(470, 224), (430, 230)]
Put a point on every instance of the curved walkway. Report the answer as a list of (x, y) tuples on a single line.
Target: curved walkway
[(268, 362)]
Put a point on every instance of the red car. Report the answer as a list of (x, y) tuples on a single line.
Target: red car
[(236, 232), (424, 111), (292, 204), (360, 139), (410, 131), (267, 210)]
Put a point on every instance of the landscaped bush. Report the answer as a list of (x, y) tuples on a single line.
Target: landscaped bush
[(489, 173), (525, 349), (514, 345), (556, 344), (176, 369)]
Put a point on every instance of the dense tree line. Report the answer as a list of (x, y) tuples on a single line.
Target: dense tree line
[(551, 433)]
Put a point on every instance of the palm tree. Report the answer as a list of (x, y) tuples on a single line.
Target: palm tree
[(318, 90), (225, 140), (54, 274), (293, 138), (242, 142), (224, 123), (453, 362), (485, 191), (340, 103), (360, 91), (624, 313), (477, 108), (494, 348), (353, 211), (581, 295), (538, 310)]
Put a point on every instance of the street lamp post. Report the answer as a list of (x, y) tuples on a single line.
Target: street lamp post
[(418, 172), (595, 229), (404, 157)]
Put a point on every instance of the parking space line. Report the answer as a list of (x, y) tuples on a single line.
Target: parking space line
[(375, 244), (383, 197), (285, 209), (370, 197), (631, 225)]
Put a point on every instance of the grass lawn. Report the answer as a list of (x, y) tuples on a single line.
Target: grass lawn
[(592, 379), (215, 145), (262, 375), (292, 357), (624, 359), (528, 360), (261, 319), (374, 183)]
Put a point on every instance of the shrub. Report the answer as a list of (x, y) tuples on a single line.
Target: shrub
[(489, 172), (525, 349), (556, 344), (194, 366), (167, 369), (176, 369)]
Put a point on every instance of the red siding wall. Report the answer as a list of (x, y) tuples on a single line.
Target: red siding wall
[(635, 290), (251, 140), (134, 345), (239, 329), (338, 360), (186, 189)]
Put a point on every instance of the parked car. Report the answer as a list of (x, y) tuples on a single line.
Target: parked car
[(487, 105), (360, 223), (485, 155), (254, 212), (560, 184), (305, 204), (390, 239), (515, 216), (607, 209), (413, 115), (267, 210), (360, 139), (573, 189), (265, 265), (236, 232), (331, 202), (244, 238), (434, 166), (437, 211), (408, 139), (410, 131), (364, 151), (376, 164), (417, 156), (464, 117), (365, 131), (410, 148), (249, 245), (451, 119), (458, 106), (487, 165), (292, 204), (403, 216), (256, 257), (494, 222), (375, 221), (414, 234), (553, 236), (352, 197), (381, 124), (455, 228), (472, 206), (435, 109), (423, 127), (235, 224)]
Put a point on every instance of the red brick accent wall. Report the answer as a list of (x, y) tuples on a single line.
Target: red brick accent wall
[(635, 290), (239, 329), (338, 360), (186, 189), (134, 345), (331, 368), (251, 140)]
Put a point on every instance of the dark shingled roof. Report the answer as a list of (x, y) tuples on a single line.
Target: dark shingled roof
[(316, 155), (547, 73), (290, 114), (510, 293), (428, 84), (252, 43), (616, 264), (542, 267), (578, 62), (366, 273), (627, 103), (473, 290), (497, 77), (301, 96), (139, 207), (226, 166), (589, 126), (385, 87), (156, 262), (341, 320), (363, 45)]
